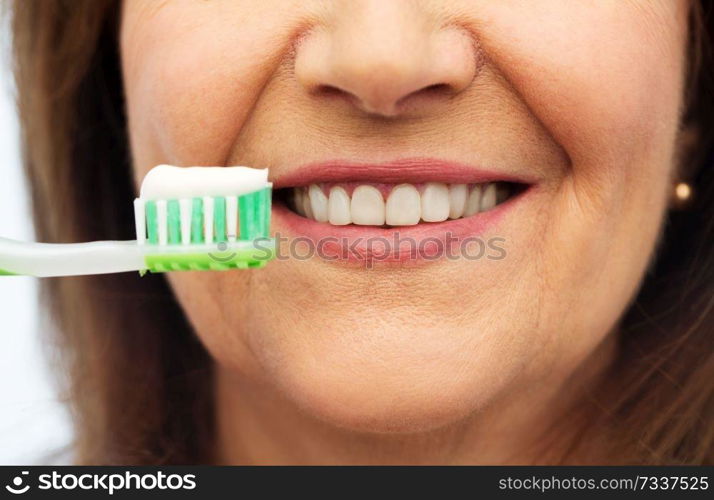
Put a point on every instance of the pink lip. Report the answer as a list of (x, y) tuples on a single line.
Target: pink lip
[(408, 170), (420, 243)]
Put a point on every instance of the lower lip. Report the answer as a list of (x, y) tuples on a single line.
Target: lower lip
[(371, 244)]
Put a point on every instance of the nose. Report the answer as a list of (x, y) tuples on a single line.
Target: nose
[(385, 57)]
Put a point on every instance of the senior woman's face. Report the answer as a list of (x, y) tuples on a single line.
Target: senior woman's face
[(570, 107)]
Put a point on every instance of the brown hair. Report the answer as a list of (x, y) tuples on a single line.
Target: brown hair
[(140, 383)]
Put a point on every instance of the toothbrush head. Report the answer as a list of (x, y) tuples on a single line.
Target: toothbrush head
[(204, 218)]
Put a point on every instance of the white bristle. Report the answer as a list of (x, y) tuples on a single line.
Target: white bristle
[(208, 218), (231, 217), (185, 207), (161, 215), (140, 221)]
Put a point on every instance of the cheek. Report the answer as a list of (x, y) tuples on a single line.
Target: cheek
[(192, 75), (211, 301), (605, 80), (606, 83)]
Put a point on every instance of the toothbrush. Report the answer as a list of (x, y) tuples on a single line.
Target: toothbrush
[(187, 218)]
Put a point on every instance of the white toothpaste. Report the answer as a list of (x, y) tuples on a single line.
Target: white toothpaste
[(169, 182)]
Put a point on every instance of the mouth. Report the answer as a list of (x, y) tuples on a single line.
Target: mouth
[(339, 205), (394, 205)]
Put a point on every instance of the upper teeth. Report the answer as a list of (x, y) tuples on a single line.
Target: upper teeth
[(405, 205)]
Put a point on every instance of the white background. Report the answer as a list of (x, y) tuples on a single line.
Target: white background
[(34, 426)]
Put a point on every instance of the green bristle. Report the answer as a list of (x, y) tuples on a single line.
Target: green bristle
[(174, 222), (254, 220), (247, 211), (264, 204), (219, 218), (197, 221), (248, 258), (152, 224)]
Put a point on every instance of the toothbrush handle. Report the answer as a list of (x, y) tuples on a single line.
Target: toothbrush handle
[(44, 260)]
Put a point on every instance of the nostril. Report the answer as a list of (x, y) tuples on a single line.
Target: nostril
[(435, 90), (329, 91), (334, 92)]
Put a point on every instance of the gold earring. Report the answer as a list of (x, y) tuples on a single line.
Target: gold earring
[(682, 194)]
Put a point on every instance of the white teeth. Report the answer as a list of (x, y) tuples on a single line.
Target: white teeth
[(307, 206), (367, 206), (318, 203), (473, 204), (297, 200), (435, 202), (403, 206), (458, 194), (488, 198), (338, 207)]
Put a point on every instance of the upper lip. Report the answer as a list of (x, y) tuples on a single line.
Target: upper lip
[(405, 170)]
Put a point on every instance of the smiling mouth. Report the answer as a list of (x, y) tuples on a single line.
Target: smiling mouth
[(394, 205), (408, 192), (363, 207)]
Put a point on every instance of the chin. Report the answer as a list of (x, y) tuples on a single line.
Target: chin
[(380, 386), (375, 412)]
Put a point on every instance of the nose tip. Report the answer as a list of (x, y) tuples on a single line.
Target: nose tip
[(385, 74), (386, 87)]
